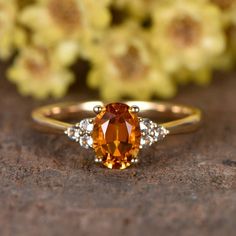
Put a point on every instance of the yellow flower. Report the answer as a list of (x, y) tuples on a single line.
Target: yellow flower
[(41, 72), (137, 8), (228, 8), (11, 36), (201, 76), (187, 34), (53, 20), (228, 59), (122, 65)]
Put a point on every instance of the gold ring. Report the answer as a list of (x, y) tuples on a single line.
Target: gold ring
[(119, 130)]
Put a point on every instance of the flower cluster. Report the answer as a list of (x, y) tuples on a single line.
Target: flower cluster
[(135, 48)]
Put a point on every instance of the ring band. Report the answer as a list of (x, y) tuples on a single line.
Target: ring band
[(119, 130)]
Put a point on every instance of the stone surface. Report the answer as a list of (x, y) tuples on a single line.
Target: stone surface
[(184, 185), (116, 136)]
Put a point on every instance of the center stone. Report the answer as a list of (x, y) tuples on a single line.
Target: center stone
[(116, 136)]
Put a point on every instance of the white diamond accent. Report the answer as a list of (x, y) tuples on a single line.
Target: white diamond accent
[(86, 141), (160, 133), (86, 125), (81, 132), (73, 133), (151, 132)]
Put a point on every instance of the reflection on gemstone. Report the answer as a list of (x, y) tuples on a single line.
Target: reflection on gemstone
[(116, 136)]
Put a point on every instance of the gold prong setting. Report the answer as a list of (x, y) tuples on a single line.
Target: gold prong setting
[(134, 109), (135, 160), (98, 159), (97, 109)]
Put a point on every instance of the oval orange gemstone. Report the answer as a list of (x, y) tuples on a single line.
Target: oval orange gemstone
[(116, 136)]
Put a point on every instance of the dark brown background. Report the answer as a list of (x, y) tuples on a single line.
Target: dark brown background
[(186, 185)]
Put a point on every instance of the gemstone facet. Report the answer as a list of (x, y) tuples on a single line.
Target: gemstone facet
[(116, 136)]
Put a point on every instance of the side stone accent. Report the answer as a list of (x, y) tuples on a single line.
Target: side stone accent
[(81, 132), (151, 132)]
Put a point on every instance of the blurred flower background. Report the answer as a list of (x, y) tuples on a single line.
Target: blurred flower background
[(135, 48)]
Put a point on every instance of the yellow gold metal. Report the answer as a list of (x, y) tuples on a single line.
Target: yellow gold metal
[(97, 109), (180, 118), (135, 109)]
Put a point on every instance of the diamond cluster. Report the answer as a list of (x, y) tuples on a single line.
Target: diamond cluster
[(151, 132), (81, 132)]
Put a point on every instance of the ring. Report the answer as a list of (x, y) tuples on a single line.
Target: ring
[(117, 131)]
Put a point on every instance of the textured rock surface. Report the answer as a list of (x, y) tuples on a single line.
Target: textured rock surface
[(186, 185)]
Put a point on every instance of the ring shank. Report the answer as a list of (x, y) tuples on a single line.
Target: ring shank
[(181, 118)]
